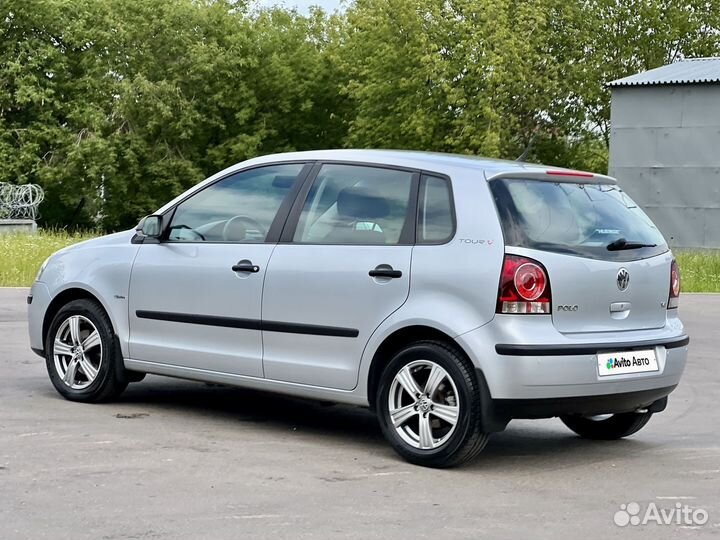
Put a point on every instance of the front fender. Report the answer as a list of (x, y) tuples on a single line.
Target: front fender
[(98, 268)]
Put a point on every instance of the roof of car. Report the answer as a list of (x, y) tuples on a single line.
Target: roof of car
[(404, 157), (429, 161)]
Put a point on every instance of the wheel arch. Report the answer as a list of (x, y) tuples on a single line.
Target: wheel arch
[(491, 419), (64, 297), (395, 342)]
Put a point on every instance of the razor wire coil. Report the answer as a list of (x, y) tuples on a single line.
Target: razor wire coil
[(20, 201)]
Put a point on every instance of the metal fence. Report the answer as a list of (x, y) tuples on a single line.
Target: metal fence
[(20, 201)]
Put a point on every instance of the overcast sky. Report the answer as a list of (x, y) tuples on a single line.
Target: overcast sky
[(303, 5)]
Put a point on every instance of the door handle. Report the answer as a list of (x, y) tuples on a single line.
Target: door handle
[(245, 266), (385, 270), (618, 307)]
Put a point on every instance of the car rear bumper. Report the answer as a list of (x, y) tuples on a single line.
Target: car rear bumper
[(528, 359), (653, 400)]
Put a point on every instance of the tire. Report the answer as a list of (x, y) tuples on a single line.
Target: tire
[(454, 395), (616, 426), (98, 373)]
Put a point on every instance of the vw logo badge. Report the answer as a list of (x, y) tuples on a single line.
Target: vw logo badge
[(623, 279)]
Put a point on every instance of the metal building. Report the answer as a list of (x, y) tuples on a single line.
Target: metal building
[(665, 148)]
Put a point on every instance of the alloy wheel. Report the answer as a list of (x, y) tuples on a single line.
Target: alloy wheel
[(423, 404), (77, 352)]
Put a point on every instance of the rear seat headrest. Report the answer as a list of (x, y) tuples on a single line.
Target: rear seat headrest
[(361, 203)]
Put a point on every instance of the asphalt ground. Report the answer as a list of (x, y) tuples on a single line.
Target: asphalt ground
[(184, 460)]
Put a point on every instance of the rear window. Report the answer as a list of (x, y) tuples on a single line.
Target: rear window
[(577, 219), (435, 217)]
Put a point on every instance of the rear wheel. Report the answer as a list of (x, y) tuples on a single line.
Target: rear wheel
[(428, 405), (608, 426), (81, 355)]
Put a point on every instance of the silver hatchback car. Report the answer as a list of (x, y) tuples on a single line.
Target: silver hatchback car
[(448, 293)]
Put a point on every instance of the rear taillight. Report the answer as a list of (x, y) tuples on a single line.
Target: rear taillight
[(674, 296), (524, 287)]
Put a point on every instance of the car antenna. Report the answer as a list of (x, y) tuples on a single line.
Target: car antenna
[(522, 157)]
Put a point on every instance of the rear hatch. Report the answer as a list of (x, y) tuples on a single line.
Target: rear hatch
[(607, 263)]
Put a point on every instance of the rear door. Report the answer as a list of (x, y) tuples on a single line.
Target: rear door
[(342, 267), (608, 265)]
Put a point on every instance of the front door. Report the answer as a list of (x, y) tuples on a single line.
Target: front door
[(344, 270), (195, 297)]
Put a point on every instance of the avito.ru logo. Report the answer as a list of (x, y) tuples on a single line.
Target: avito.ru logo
[(630, 514), (613, 363)]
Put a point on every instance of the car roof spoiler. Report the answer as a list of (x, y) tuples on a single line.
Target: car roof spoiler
[(566, 176)]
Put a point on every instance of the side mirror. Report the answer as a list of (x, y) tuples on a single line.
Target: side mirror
[(150, 226)]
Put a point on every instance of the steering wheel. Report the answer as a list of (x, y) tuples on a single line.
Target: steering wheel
[(186, 228), (236, 225)]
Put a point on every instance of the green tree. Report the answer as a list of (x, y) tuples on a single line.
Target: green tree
[(49, 119), (493, 77), (611, 39), (457, 75), (116, 106)]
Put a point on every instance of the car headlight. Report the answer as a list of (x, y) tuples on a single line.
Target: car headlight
[(42, 268)]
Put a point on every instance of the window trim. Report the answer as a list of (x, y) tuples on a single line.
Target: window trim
[(421, 201), (407, 234), (278, 222)]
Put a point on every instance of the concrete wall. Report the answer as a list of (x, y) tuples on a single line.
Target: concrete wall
[(665, 152), (17, 225)]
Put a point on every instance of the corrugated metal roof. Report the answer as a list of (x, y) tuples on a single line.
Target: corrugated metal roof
[(688, 71)]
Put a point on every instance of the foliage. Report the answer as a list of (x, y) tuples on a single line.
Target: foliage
[(492, 78), (24, 253), (116, 106), (616, 38), (699, 270)]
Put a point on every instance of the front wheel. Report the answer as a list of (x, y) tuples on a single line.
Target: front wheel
[(428, 405), (607, 427), (82, 358)]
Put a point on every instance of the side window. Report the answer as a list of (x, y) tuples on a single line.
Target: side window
[(239, 208), (435, 213), (352, 204)]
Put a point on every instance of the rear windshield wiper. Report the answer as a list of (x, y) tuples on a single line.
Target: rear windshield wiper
[(621, 243)]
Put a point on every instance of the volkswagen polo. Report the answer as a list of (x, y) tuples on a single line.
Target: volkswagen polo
[(450, 294)]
